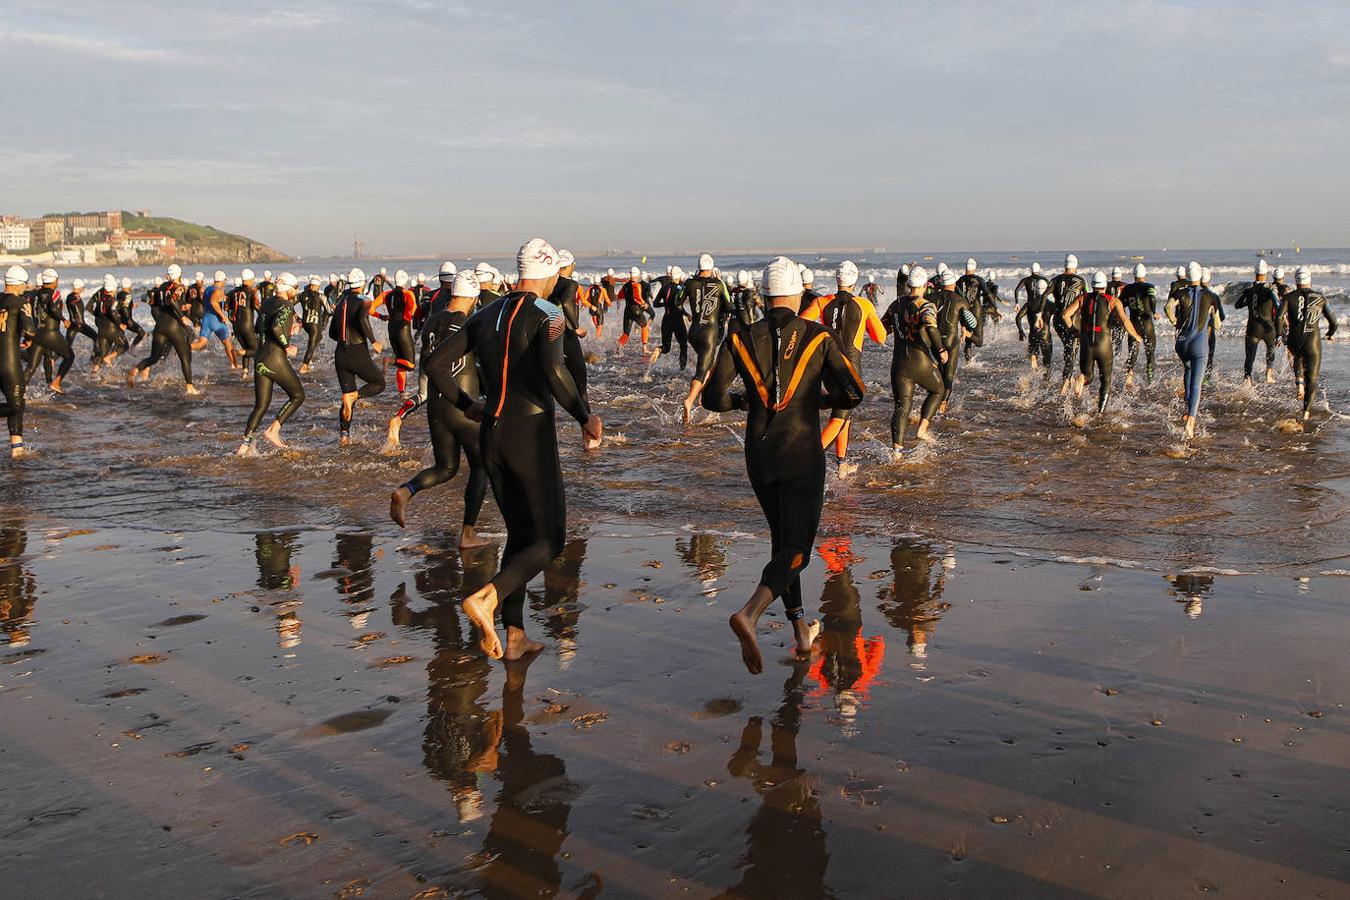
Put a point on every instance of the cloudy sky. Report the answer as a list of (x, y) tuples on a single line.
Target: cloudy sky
[(431, 126)]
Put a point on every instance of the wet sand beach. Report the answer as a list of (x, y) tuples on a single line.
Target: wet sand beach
[(1061, 656)]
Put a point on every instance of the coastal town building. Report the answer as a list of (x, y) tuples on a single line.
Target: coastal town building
[(149, 242), (15, 236)]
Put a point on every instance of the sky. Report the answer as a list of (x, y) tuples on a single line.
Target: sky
[(429, 127)]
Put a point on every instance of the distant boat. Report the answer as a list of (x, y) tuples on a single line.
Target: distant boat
[(1136, 258), (928, 259)]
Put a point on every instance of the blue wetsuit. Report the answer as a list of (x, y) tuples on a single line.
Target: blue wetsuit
[(1195, 308)]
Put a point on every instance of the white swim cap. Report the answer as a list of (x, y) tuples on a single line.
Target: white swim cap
[(635, 272), (400, 278), (1279, 273), (847, 276), (782, 278), (314, 281), (917, 277), (1035, 268), (77, 284), (465, 285), (1206, 275), (448, 270), (109, 282), (609, 272), (676, 274), (248, 275), (1262, 267), (355, 278), (383, 271), (971, 265), (332, 278), (1302, 276), (942, 267), (287, 282), (537, 259), (1181, 271), (670, 269), (808, 276), (126, 283), (175, 272), (16, 275), (1141, 271), (1116, 272), (904, 271), (238, 281), (267, 274), (871, 279), (485, 273), (1099, 280), (565, 259), (743, 279), (47, 276), (421, 277), (1070, 262), (218, 276), (948, 278), (1195, 273), (706, 263)]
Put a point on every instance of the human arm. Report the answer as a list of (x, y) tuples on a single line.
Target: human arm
[(717, 393)]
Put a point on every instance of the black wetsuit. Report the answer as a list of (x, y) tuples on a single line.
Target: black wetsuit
[(1095, 346), (451, 431), (1264, 322), (273, 366), (1114, 288), (75, 311), (953, 312), (709, 303), (673, 327), (167, 308), (636, 310), (312, 305), (790, 369), (108, 338), (567, 297), (195, 301), (1214, 332), (1303, 310), (350, 329), (242, 305), (48, 341), (745, 304), (13, 312), (126, 319), (913, 321), (599, 299), (517, 341), (1063, 290), (982, 304), (1141, 301), (1034, 311), (402, 304)]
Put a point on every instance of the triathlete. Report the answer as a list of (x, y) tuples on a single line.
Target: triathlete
[(1213, 335), (570, 297), (1265, 325), (517, 342), (746, 306), (215, 319), (312, 307), (48, 342), (955, 320), (1114, 286), (171, 330), (350, 330), (1194, 310), (402, 305), (918, 353), (1303, 310), (598, 300), (273, 365), (636, 310), (1141, 302), (75, 312), (790, 369), (126, 308), (1040, 345), (850, 319), (1065, 288), (242, 306), (107, 323), (13, 312), (452, 432), (709, 303), (674, 329), (1094, 312), (194, 299), (982, 302)]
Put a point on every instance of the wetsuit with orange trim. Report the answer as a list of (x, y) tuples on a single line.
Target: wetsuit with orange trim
[(636, 311), (350, 330), (913, 321), (402, 305), (790, 370), (709, 303), (813, 304), (850, 319), (570, 297), (598, 304), (848, 664), (517, 341)]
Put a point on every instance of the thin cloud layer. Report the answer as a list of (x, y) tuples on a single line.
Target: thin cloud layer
[(428, 126)]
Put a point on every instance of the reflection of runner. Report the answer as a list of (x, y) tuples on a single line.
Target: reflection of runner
[(848, 663), (916, 604)]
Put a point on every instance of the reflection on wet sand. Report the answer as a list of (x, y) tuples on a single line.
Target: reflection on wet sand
[(847, 664), (785, 851), (1190, 590), (18, 587), (560, 604), (273, 551), (352, 566), (915, 603)]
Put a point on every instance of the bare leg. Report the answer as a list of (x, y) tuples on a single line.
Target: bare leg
[(695, 390), (743, 623), (481, 608), (398, 505)]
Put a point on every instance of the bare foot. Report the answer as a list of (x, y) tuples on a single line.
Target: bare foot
[(391, 446), (1129, 381), (398, 505), (19, 451), (689, 412), (191, 391), (518, 645), (1270, 376), (942, 408), (273, 437), (56, 386), (131, 378), (481, 608), (469, 539), (345, 440), (246, 449), (922, 434), (304, 368), (806, 634), (745, 633), (847, 469), (1190, 427)]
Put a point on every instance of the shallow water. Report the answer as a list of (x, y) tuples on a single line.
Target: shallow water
[(1056, 659)]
